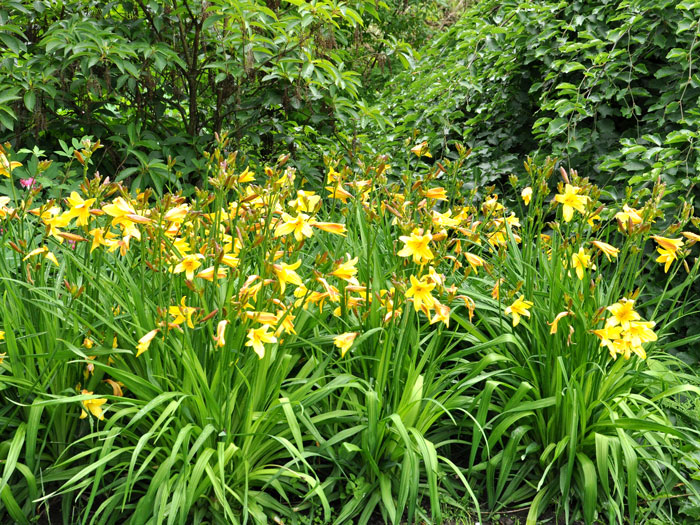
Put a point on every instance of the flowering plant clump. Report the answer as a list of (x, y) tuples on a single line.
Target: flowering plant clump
[(258, 323)]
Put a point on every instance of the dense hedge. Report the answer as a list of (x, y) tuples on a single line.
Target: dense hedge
[(611, 88)]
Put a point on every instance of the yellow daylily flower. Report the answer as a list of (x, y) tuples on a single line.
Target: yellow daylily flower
[(421, 150), (118, 210), (189, 264), (442, 313), (607, 249), (571, 200), (666, 258), (7, 167), (526, 195), (306, 201), (300, 226), (416, 246), (580, 261), (555, 324), (344, 342), (439, 194), (208, 274), (101, 238), (420, 292), (145, 341), (286, 274), (347, 271), (607, 335), (671, 245), (177, 214), (257, 337), (474, 261), (94, 406), (339, 192), (331, 227), (622, 313), (693, 237), (182, 313), (519, 308), (627, 216), (79, 208), (220, 331)]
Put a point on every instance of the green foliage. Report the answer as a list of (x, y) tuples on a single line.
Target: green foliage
[(156, 80), (430, 406), (592, 435), (610, 88)]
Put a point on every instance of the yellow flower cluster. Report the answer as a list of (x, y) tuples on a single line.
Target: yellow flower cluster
[(252, 238), (625, 331)]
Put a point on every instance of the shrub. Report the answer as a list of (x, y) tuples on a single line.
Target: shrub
[(610, 88)]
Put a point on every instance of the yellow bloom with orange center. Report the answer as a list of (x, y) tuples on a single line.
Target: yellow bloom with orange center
[(300, 226), (286, 274), (417, 246), (420, 292), (580, 261), (94, 406), (344, 342), (607, 335), (286, 322), (258, 338), (491, 205), (519, 308), (189, 265), (55, 223), (100, 238), (444, 220), (145, 342), (640, 332), (571, 200), (622, 313)]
